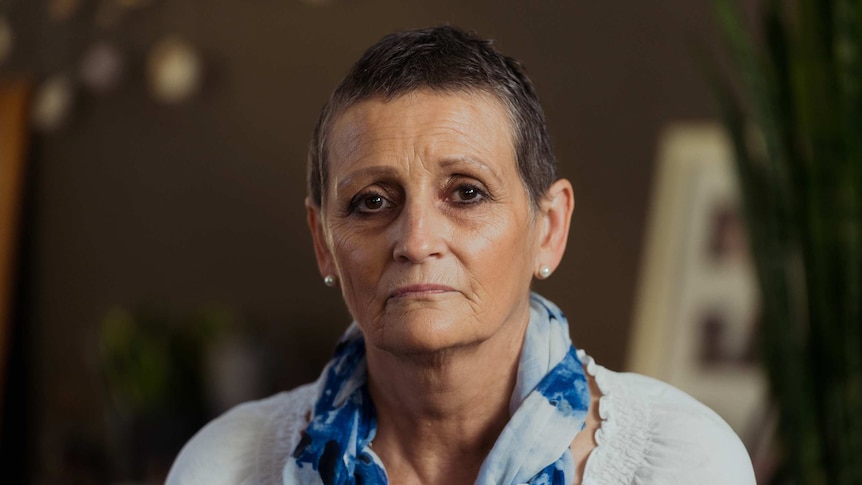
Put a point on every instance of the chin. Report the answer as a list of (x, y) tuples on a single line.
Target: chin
[(424, 331)]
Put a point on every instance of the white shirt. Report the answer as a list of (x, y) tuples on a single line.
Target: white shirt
[(651, 433)]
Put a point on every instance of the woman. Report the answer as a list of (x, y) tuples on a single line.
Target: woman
[(433, 204)]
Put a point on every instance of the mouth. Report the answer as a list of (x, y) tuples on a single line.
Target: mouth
[(419, 291)]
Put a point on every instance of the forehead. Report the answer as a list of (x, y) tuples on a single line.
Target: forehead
[(427, 124)]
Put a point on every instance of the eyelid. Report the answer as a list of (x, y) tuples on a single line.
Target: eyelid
[(461, 179)]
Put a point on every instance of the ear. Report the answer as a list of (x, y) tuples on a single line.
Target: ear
[(325, 262), (555, 219)]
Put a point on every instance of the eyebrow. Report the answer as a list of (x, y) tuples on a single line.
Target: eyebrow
[(389, 172), (377, 170), (471, 162)]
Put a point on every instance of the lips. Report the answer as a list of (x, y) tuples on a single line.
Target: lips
[(420, 290)]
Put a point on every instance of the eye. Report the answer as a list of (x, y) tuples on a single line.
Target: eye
[(467, 194), (369, 203)]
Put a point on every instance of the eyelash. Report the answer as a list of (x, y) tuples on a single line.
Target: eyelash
[(354, 207), (481, 195)]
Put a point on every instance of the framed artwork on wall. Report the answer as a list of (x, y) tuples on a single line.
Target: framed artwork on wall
[(697, 304)]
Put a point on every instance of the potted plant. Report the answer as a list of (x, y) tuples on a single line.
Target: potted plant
[(794, 114)]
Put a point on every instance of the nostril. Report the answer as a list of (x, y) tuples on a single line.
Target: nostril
[(416, 247), (413, 249)]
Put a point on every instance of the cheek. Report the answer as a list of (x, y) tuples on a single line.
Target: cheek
[(359, 259), (499, 254), (350, 246)]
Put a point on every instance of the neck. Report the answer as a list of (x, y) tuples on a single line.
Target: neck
[(442, 413)]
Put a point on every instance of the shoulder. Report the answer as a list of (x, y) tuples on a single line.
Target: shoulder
[(246, 443), (652, 432)]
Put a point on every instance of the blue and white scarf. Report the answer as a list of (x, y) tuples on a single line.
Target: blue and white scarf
[(548, 407)]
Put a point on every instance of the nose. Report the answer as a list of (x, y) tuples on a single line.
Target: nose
[(419, 233)]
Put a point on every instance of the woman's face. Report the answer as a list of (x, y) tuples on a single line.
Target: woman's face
[(426, 222)]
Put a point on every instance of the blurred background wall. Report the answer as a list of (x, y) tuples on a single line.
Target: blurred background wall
[(177, 207)]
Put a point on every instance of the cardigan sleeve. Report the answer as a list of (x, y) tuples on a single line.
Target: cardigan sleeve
[(653, 433), (246, 445), (222, 452)]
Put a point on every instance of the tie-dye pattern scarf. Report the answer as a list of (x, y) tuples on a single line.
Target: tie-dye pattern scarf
[(548, 407)]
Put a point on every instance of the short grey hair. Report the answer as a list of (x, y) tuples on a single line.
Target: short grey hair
[(444, 59)]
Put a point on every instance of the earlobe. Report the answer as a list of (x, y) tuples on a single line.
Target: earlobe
[(318, 235), (556, 213)]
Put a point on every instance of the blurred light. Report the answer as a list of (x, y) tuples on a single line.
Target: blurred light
[(52, 103), (7, 39), (173, 70), (63, 10), (102, 67)]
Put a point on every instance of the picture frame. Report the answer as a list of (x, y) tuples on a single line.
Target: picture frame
[(697, 302)]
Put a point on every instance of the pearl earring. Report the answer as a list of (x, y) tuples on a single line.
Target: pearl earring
[(544, 272), (329, 280)]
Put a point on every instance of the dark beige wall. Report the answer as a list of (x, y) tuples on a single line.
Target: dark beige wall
[(203, 202)]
